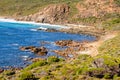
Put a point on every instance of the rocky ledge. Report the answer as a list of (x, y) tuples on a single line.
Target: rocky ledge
[(72, 48), (90, 30)]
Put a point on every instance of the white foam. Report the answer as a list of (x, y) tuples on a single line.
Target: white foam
[(15, 44), (33, 29), (25, 57), (43, 28), (31, 22)]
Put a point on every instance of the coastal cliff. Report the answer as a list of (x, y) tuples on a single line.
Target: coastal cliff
[(50, 14)]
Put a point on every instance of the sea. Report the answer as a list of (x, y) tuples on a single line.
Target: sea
[(14, 34)]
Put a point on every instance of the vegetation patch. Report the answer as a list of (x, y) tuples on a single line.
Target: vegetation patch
[(111, 47), (112, 24), (36, 64), (27, 76)]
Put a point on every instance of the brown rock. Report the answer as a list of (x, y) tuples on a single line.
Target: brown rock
[(26, 48), (36, 59), (37, 50), (51, 30), (69, 43)]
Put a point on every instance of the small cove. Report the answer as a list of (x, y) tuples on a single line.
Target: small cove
[(14, 35)]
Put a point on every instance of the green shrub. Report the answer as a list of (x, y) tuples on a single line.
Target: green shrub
[(52, 59), (107, 76), (36, 64), (112, 24), (27, 76), (84, 57), (115, 77)]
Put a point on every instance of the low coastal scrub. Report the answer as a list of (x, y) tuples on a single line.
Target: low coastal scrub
[(81, 68), (112, 24), (88, 20), (110, 21), (111, 47), (44, 62), (36, 64)]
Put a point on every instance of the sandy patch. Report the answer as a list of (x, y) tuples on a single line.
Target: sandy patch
[(92, 48)]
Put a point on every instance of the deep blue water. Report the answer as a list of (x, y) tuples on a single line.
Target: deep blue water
[(14, 35)]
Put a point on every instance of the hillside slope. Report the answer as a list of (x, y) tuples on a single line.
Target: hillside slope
[(99, 13)]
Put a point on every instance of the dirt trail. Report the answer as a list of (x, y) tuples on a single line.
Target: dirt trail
[(92, 48)]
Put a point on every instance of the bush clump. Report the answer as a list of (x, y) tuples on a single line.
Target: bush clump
[(27, 76), (53, 59), (36, 64)]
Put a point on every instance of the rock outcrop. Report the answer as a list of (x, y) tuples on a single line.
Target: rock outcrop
[(72, 48), (50, 14), (68, 43)]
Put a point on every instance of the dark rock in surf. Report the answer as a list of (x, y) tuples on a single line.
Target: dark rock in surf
[(51, 30), (48, 29), (26, 48), (37, 50)]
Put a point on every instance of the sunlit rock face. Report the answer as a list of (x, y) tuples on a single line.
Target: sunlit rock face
[(50, 14)]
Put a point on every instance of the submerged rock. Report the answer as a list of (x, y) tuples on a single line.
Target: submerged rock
[(51, 30), (26, 48), (37, 50)]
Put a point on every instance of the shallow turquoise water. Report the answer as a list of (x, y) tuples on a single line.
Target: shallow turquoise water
[(14, 35)]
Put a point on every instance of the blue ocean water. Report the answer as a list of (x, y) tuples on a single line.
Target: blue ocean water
[(13, 35)]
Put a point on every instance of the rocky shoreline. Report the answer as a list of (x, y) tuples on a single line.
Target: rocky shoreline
[(73, 47), (71, 28)]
